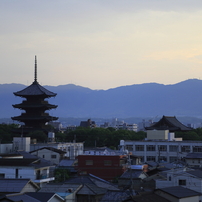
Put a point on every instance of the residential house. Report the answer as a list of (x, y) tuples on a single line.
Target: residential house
[(36, 197), (50, 154), (132, 178), (93, 188), (188, 178), (24, 165), (66, 191), (81, 188), (72, 149), (179, 194), (9, 186)]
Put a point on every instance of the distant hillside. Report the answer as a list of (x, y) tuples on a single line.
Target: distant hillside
[(142, 100)]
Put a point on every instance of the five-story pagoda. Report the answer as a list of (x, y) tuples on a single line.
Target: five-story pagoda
[(35, 106)]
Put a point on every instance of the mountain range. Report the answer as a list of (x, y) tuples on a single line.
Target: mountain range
[(138, 100)]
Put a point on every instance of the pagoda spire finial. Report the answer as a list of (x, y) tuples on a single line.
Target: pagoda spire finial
[(35, 70)]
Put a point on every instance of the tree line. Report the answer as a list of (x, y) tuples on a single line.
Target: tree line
[(91, 137)]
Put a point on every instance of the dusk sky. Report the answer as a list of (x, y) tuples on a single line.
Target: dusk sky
[(100, 44)]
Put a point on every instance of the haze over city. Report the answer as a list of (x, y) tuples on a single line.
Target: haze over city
[(100, 44)]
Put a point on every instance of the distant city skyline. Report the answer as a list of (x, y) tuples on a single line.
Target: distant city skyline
[(100, 44)]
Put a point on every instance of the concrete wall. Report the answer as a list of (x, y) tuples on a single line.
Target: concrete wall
[(48, 155), (157, 134), (10, 172)]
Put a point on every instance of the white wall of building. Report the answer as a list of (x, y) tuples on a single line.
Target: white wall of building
[(48, 155), (164, 150), (6, 148), (21, 143), (23, 172), (175, 176), (72, 149)]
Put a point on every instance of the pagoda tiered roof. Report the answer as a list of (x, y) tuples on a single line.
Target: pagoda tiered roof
[(35, 89), (169, 123), (24, 105)]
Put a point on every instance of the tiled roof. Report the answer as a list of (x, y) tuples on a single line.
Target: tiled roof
[(197, 155), (58, 187), (91, 179), (66, 162), (41, 196), (28, 160), (13, 185), (149, 198), (116, 196), (168, 123), (22, 198), (16, 162), (132, 174), (197, 173), (35, 89), (180, 192), (51, 149), (90, 189), (6, 199), (35, 197)]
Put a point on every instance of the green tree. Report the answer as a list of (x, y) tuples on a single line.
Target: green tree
[(6, 132), (61, 174), (39, 135)]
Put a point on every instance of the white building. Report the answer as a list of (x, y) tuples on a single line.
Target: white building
[(72, 149), (23, 165), (162, 146), (188, 178)]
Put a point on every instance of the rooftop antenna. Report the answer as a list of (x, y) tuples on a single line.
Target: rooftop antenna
[(35, 70)]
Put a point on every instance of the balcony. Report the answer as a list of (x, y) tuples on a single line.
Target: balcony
[(44, 178)]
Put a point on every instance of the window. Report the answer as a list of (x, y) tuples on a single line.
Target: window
[(139, 147), (43, 156), (162, 147), (129, 147), (151, 148), (107, 162), (172, 159), (162, 158), (169, 178), (2, 175), (173, 148), (53, 156), (141, 158), (151, 158), (89, 162), (185, 149), (16, 173), (182, 182), (197, 149)]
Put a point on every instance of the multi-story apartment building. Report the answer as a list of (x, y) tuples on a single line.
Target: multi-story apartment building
[(162, 150)]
